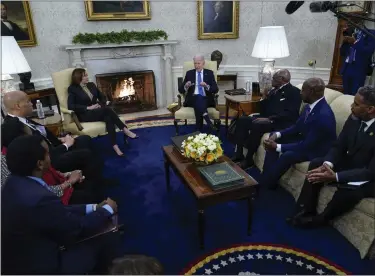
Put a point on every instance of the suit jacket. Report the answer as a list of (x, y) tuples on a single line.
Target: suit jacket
[(17, 32), (52, 141), (209, 78), (283, 106), (78, 100), (35, 224), (315, 135), (353, 160), (364, 48)]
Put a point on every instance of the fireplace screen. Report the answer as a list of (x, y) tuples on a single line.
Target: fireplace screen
[(129, 91)]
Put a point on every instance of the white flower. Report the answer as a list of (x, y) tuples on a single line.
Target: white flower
[(212, 147), (190, 138)]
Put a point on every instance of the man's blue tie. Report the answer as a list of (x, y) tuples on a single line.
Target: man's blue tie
[(200, 88)]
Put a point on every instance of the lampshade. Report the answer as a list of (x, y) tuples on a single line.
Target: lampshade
[(271, 43), (13, 60)]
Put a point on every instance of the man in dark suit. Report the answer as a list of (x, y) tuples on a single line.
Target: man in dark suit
[(67, 153), (310, 137), (357, 51), (35, 223), (220, 20), (199, 88), (279, 109), (9, 28), (351, 159)]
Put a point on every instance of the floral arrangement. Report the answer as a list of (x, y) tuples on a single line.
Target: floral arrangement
[(202, 148)]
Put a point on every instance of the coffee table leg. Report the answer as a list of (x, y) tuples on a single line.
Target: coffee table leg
[(249, 214), (226, 114), (167, 176), (201, 228)]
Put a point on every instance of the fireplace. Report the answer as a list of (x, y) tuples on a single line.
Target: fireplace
[(129, 91)]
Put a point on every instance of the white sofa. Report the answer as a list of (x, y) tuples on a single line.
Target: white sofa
[(358, 226)]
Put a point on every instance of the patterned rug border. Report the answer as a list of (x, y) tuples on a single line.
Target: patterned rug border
[(201, 261), (156, 122)]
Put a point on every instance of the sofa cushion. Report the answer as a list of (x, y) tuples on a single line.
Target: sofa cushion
[(341, 108), (329, 94), (187, 113)]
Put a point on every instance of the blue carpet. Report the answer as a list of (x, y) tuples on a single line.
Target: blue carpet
[(164, 225)]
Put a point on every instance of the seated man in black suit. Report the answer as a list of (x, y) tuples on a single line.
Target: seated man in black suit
[(351, 159), (67, 153), (199, 88), (35, 223), (9, 28), (279, 109)]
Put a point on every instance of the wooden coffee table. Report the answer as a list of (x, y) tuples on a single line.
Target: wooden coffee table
[(203, 193)]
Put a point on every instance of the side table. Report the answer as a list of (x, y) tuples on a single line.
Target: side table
[(53, 123), (241, 103)]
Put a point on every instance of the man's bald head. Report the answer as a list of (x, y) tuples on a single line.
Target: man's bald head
[(280, 77), (312, 90), (18, 103)]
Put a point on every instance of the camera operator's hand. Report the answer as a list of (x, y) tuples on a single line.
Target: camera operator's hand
[(349, 39)]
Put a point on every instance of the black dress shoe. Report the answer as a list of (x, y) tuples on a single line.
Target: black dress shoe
[(301, 213), (237, 158), (245, 164), (309, 222)]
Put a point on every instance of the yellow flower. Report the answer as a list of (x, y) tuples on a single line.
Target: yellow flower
[(219, 151), (201, 158), (193, 155), (210, 157)]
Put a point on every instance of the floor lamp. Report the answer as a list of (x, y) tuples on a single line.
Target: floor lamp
[(12, 62), (270, 43)]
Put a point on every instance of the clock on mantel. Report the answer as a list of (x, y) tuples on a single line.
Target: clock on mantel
[(360, 8)]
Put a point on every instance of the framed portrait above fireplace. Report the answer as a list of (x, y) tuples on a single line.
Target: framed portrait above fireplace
[(117, 10), (16, 21), (218, 19)]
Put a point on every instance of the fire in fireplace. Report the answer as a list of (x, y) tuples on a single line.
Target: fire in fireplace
[(129, 91)]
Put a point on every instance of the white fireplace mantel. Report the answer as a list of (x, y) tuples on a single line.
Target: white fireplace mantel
[(111, 58)]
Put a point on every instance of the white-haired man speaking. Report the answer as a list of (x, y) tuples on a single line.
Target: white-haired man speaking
[(199, 88)]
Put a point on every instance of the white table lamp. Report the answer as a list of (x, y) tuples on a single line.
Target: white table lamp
[(12, 62), (270, 43)]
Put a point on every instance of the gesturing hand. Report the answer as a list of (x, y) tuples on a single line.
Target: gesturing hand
[(270, 145), (94, 106), (113, 204), (69, 140), (75, 177), (272, 137), (203, 84), (187, 84), (322, 174)]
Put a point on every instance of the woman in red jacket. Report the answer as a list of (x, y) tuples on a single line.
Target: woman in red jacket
[(71, 187)]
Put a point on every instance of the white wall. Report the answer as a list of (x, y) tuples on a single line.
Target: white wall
[(310, 36)]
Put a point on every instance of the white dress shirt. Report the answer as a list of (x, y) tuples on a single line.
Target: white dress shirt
[(196, 91), (41, 129), (368, 124), (278, 134), (6, 23)]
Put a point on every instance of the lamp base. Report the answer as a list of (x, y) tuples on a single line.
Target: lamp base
[(265, 75)]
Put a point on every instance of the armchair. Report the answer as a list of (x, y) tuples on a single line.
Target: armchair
[(187, 113), (61, 81)]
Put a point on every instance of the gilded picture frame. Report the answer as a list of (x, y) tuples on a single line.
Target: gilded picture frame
[(218, 19), (117, 10), (18, 22)]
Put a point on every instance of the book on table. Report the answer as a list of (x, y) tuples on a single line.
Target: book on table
[(177, 140), (221, 176)]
